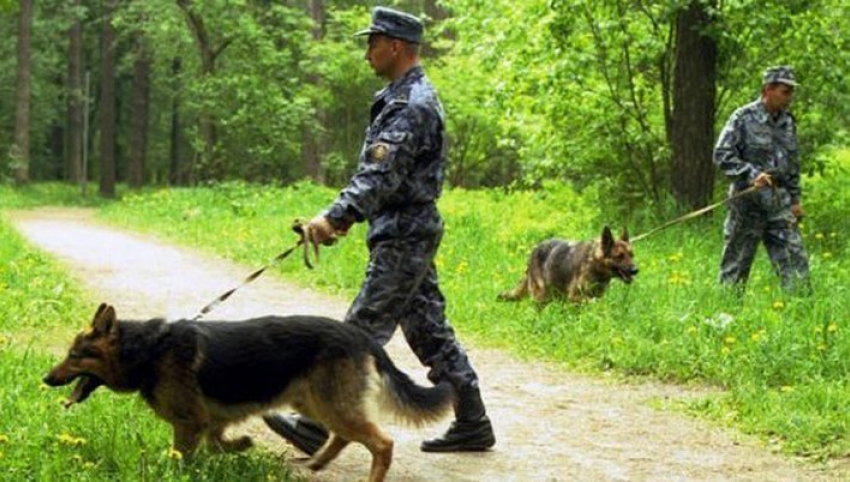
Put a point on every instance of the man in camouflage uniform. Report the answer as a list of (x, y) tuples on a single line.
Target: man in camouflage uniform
[(398, 180), (758, 147)]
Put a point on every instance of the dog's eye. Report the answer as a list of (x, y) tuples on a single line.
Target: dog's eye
[(84, 353)]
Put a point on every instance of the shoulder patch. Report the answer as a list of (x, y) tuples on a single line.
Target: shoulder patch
[(379, 151)]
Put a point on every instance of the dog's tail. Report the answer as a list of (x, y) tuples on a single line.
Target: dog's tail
[(516, 294), (402, 397)]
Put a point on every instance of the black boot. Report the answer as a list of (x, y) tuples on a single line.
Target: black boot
[(470, 432), (300, 431)]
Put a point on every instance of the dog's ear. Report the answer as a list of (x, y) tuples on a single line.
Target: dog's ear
[(99, 312), (607, 241), (105, 321), (625, 235)]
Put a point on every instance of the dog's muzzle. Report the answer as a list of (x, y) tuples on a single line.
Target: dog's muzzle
[(86, 384), (628, 274), (54, 380)]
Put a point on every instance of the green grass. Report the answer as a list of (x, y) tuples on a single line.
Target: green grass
[(110, 436), (776, 355), (47, 194), (782, 361)]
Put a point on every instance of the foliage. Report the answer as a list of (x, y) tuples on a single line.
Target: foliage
[(47, 96), (579, 89), (533, 90), (811, 36)]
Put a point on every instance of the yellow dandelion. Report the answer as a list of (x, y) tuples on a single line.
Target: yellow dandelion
[(68, 439), (786, 388), (800, 225), (755, 336), (4, 439), (778, 305), (461, 267), (819, 236), (832, 328), (677, 278), (3, 340), (827, 255), (725, 350), (729, 340), (676, 257), (175, 454)]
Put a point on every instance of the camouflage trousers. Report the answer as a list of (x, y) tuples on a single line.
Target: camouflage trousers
[(746, 225), (401, 288)]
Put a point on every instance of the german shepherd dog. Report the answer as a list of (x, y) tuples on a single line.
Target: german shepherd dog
[(577, 270), (203, 376)]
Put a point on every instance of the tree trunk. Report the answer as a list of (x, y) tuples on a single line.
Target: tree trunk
[(140, 108), (175, 164), (209, 53), (312, 146), (74, 157), (107, 104), (21, 150), (694, 86), (56, 147)]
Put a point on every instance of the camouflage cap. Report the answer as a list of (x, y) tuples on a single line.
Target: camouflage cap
[(393, 23), (779, 75)]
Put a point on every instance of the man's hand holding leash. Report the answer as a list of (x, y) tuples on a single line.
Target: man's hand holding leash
[(320, 231), (797, 211), (762, 180)]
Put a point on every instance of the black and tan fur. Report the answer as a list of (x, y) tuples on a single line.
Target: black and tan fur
[(575, 270), (203, 376)]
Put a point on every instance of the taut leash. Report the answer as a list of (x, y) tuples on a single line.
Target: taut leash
[(299, 228), (694, 214)]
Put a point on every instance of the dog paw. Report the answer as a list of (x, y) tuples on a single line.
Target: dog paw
[(315, 465), (236, 445), (241, 444)]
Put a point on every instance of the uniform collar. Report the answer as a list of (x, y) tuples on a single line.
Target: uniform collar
[(392, 89), (765, 117)]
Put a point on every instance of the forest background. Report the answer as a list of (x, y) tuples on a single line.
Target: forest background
[(563, 115), (626, 96)]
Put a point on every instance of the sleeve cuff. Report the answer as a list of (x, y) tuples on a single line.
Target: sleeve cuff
[(341, 216), (752, 174)]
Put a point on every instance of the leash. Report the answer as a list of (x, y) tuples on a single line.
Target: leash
[(694, 214), (303, 240)]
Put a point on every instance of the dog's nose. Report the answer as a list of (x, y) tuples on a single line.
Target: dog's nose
[(52, 381), (633, 270)]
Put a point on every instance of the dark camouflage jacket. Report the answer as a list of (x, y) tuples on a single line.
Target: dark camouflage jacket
[(753, 142), (400, 170)]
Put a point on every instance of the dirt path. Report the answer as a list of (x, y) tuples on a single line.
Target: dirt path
[(551, 425)]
